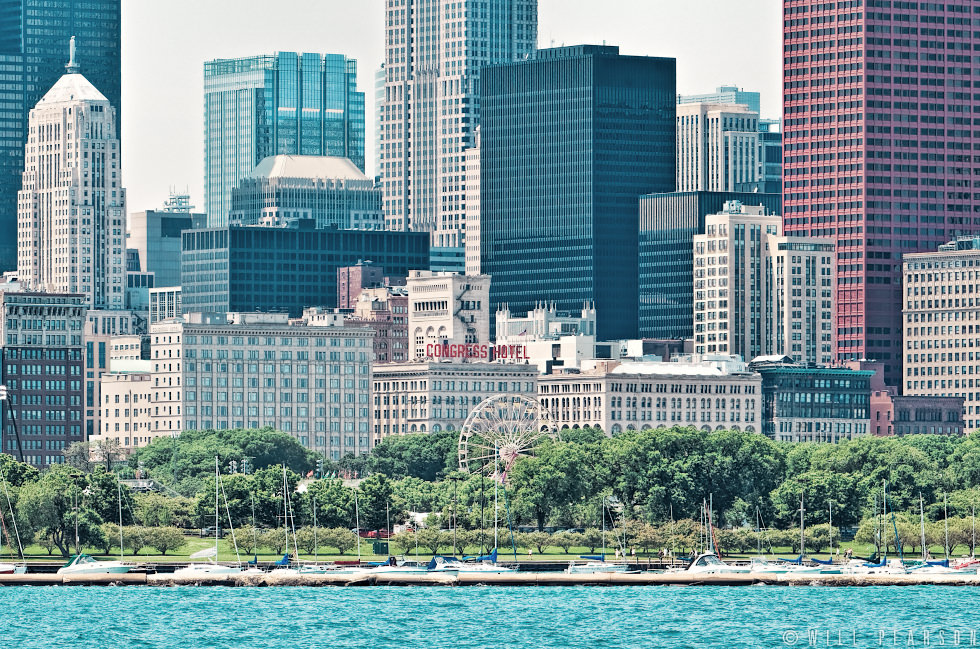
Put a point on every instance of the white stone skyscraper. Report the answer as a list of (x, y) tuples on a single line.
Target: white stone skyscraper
[(71, 212), (433, 54)]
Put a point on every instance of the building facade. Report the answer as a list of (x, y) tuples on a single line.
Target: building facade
[(447, 309), (251, 370), (729, 95), (717, 147), (41, 369), (878, 150), (283, 103), (385, 310), (620, 396), (434, 52), (435, 396), (71, 212), (331, 191), (813, 404), (34, 37), (730, 282), (351, 280), (667, 225), (126, 409), (569, 140), (471, 159), (284, 269), (164, 303), (758, 293), (941, 322), (155, 236)]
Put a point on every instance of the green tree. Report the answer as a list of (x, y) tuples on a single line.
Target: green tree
[(427, 456), (307, 541), (431, 539), (109, 537), (340, 538), (103, 492), (165, 539), (558, 475), (247, 538), (334, 504), (540, 541), (48, 507), (136, 538), (376, 503), (275, 540)]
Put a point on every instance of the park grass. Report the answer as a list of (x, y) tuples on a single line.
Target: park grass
[(226, 553)]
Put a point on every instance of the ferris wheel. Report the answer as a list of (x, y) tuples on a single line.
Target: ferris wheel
[(501, 429)]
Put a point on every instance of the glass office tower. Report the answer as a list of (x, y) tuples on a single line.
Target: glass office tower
[(284, 103), (34, 37), (570, 140)]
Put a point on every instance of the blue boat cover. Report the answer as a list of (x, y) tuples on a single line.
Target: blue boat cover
[(284, 561), (798, 560), (593, 557), (821, 562), (944, 563)]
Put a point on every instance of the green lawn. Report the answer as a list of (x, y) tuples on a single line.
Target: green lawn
[(226, 552)]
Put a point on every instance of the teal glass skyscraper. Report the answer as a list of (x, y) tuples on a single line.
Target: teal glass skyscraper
[(34, 37), (284, 103)]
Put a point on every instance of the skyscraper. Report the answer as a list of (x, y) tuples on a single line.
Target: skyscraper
[(878, 149), (433, 54), (717, 147), (668, 223), (71, 216), (284, 103), (569, 140), (33, 49)]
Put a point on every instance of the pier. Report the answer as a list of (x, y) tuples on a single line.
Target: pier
[(366, 578)]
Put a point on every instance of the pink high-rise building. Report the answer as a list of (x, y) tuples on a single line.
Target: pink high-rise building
[(879, 150)]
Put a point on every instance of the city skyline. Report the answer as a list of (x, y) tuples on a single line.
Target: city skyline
[(151, 82)]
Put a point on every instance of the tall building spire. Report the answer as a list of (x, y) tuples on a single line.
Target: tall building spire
[(72, 66)]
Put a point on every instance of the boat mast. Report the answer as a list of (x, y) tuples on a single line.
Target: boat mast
[(884, 515), (922, 527), (13, 518), (830, 526), (802, 536), (602, 513), (946, 521), (357, 523), (216, 473), (119, 497)]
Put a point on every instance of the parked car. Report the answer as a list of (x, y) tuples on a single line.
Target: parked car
[(209, 531)]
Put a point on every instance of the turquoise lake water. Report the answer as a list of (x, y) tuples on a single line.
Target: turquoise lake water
[(489, 618)]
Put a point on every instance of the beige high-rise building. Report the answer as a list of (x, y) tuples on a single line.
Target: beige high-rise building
[(311, 380), (447, 309), (941, 325), (717, 147), (71, 212), (758, 293), (434, 51)]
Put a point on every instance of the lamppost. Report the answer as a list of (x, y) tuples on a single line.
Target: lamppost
[(5, 397)]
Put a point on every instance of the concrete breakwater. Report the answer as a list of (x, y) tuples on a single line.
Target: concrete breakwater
[(366, 578)]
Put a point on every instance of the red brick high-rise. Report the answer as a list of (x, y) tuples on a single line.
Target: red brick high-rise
[(879, 151)]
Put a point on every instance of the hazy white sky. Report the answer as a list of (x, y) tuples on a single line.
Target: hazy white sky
[(166, 43)]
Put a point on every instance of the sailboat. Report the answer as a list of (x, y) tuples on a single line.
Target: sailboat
[(11, 568), (212, 568), (597, 563), (84, 564)]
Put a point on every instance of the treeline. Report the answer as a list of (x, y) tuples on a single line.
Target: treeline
[(585, 481), (653, 476)]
